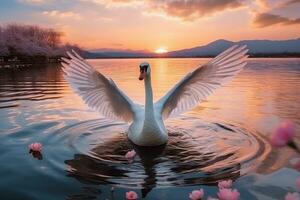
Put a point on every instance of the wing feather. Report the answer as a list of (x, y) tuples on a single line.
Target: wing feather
[(96, 90), (197, 85)]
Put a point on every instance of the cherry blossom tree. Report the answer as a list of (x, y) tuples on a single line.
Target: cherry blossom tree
[(31, 41), (3, 47)]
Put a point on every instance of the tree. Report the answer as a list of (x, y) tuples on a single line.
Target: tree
[(30, 41), (3, 47)]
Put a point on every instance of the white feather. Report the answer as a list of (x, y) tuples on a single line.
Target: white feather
[(96, 90), (147, 128), (196, 86)]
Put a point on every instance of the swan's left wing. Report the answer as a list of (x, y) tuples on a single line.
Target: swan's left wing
[(200, 83), (96, 90)]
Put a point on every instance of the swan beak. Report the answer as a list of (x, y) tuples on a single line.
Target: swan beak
[(142, 76)]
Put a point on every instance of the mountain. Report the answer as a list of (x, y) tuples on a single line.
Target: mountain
[(210, 49), (257, 48)]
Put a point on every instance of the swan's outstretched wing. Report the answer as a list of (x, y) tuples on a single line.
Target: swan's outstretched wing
[(96, 90), (200, 83)]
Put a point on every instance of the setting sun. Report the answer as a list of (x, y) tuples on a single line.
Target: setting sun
[(161, 50)]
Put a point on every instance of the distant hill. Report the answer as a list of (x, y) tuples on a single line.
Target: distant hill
[(257, 48)]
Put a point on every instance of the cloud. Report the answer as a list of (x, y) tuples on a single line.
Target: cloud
[(276, 3), (184, 9), (32, 1), (263, 3), (289, 3), (116, 3), (109, 1), (62, 14), (193, 9), (262, 20), (122, 1)]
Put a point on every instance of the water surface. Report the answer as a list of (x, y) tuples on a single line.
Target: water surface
[(83, 156)]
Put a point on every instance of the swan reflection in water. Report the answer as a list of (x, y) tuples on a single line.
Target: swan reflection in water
[(184, 161)]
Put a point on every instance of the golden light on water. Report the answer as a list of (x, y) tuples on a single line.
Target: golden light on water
[(161, 50)]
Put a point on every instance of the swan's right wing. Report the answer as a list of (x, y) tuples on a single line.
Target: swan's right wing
[(96, 90), (200, 83)]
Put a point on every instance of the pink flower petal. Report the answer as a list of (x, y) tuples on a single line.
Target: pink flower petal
[(131, 195), (292, 196), (225, 184), (228, 194), (37, 147), (130, 154), (282, 134), (196, 194), (30, 146)]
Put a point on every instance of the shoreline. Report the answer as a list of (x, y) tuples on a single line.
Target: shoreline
[(186, 57), (19, 59), (27, 63)]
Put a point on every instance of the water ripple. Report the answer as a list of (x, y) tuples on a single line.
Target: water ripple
[(201, 154)]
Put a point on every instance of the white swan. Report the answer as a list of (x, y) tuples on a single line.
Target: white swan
[(147, 128)]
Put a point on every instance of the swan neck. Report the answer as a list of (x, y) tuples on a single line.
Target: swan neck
[(149, 96)]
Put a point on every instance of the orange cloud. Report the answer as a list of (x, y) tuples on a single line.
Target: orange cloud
[(184, 9), (193, 9), (266, 19)]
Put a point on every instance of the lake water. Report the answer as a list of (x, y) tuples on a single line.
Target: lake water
[(83, 153)]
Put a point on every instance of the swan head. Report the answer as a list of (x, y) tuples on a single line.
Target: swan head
[(144, 70)]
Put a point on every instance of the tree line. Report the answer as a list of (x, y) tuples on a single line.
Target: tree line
[(31, 42)]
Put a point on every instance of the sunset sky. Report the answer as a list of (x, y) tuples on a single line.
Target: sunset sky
[(157, 24)]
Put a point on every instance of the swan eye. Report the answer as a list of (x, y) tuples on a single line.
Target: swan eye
[(143, 68)]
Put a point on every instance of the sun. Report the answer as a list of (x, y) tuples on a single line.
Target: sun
[(161, 50)]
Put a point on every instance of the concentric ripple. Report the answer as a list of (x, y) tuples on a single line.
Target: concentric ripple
[(203, 153)]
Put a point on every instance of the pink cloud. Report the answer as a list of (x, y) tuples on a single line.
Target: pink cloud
[(193, 9), (262, 20)]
